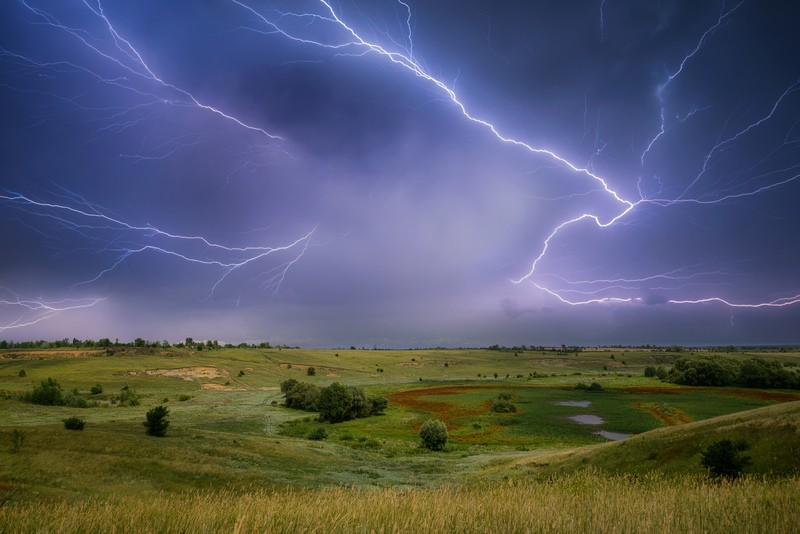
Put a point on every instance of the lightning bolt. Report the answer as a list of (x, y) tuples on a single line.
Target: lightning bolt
[(341, 38)]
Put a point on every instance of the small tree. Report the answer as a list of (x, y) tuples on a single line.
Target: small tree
[(725, 459), (157, 423), (433, 434), (311, 371)]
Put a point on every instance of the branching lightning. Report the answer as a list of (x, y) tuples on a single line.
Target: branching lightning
[(122, 67)]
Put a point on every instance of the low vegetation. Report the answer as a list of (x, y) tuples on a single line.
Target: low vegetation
[(586, 501), (513, 444)]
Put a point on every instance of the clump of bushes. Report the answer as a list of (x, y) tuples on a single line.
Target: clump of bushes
[(656, 372), (128, 397), (503, 406), (715, 370), (725, 459), (74, 423), (594, 386), (318, 434), (96, 389), (433, 434), (48, 393), (335, 403)]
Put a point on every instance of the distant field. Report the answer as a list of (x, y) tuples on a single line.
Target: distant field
[(230, 433)]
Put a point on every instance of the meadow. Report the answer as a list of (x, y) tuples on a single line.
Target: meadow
[(235, 459)]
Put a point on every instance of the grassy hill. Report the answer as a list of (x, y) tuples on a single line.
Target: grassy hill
[(773, 433), (235, 459)]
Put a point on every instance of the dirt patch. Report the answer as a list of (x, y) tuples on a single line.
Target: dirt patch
[(667, 415), (189, 373), (50, 354)]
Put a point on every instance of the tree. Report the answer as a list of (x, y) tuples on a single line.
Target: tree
[(725, 459), (433, 434), (303, 396), (336, 403), (157, 423)]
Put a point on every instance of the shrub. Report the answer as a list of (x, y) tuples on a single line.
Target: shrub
[(650, 371), (504, 396), (725, 459), (128, 397), (311, 371), (503, 406), (183, 397), (74, 423), (49, 393), (96, 389), (433, 434), (17, 438), (594, 386), (156, 422), (22, 373), (318, 434)]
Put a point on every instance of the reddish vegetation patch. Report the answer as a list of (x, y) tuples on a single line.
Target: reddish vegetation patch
[(661, 390), (761, 394), (775, 396), (414, 399), (670, 417)]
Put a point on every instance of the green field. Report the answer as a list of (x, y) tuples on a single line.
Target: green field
[(231, 435)]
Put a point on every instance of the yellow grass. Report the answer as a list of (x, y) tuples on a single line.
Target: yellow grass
[(581, 502)]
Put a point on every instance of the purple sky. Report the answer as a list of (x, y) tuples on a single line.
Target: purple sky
[(401, 174)]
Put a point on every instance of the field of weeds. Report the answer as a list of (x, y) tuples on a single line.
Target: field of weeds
[(585, 501)]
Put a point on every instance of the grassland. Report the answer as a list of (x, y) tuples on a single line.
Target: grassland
[(235, 459)]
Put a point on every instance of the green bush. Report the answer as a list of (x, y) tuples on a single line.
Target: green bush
[(128, 397), (156, 422), (504, 396), (302, 396), (594, 386), (503, 406), (311, 371), (183, 397), (22, 373), (74, 423), (433, 434), (96, 389), (48, 393), (318, 434), (725, 459)]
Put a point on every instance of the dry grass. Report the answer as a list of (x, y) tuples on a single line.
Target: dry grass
[(581, 502)]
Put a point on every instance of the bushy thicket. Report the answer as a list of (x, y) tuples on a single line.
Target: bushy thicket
[(715, 370), (50, 393), (334, 403)]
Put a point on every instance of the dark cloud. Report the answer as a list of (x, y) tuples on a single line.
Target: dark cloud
[(422, 220)]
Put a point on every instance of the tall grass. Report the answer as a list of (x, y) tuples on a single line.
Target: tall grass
[(582, 502)]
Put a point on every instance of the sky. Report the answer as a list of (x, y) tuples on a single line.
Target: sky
[(399, 174)]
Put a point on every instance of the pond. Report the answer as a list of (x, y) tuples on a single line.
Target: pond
[(587, 419)]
